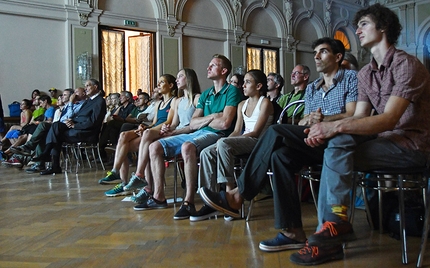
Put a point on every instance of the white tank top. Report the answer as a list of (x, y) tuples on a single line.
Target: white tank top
[(185, 112), (250, 121)]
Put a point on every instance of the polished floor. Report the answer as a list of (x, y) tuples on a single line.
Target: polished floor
[(65, 220)]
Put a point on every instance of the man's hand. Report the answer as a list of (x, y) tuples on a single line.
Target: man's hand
[(69, 123), (316, 117), (318, 133)]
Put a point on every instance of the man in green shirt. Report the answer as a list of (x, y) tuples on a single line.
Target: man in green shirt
[(299, 79)]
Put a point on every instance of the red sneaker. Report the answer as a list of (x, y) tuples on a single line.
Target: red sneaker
[(311, 255)]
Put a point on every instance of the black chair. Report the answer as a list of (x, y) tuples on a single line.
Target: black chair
[(394, 179)]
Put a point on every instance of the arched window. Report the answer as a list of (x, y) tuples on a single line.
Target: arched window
[(339, 35)]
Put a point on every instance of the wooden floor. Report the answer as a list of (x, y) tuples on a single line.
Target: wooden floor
[(65, 220)]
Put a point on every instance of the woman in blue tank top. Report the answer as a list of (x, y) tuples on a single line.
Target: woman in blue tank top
[(178, 112)]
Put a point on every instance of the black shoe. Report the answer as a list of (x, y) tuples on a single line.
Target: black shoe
[(206, 212), (51, 171), (22, 150), (185, 211), (218, 201)]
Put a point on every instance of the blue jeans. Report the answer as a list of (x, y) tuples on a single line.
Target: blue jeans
[(346, 153)]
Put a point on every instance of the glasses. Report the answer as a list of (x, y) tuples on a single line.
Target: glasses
[(296, 73)]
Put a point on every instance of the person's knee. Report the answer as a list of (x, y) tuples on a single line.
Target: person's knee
[(155, 148), (188, 149)]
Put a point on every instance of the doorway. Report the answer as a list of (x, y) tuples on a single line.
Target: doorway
[(127, 60)]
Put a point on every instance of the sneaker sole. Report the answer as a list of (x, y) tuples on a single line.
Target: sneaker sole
[(205, 217), (181, 218), (149, 208), (109, 182), (296, 260), (119, 194), (280, 248)]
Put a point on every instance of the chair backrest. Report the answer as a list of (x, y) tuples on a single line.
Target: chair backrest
[(298, 103)]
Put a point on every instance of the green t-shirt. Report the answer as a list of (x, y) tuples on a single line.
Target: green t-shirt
[(290, 97), (38, 114), (212, 103)]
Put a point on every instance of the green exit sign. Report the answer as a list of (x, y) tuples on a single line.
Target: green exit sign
[(130, 23)]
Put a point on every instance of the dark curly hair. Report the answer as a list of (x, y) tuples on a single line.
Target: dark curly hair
[(384, 19)]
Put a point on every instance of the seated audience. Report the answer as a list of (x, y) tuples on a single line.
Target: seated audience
[(83, 126), (299, 79), (350, 62), (36, 143), (177, 122), (14, 132), (217, 161), (282, 148), (53, 95), (129, 140), (111, 130), (213, 118), (131, 121)]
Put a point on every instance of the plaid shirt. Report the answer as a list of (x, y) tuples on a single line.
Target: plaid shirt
[(404, 76), (332, 101)]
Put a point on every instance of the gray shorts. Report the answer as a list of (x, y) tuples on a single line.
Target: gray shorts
[(200, 138)]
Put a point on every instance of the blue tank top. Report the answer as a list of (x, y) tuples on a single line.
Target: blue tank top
[(162, 113)]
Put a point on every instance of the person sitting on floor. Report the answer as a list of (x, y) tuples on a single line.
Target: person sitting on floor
[(217, 161)]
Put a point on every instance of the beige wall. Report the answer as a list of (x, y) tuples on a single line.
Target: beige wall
[(39, 44)]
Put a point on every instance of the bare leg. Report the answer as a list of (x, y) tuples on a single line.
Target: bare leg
[(148, 137), (158, 169), (189, 154), (127, 142)]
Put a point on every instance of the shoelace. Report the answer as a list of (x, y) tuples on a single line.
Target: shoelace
[(140, 193), (307, 249), (117, 187), (328, 225)]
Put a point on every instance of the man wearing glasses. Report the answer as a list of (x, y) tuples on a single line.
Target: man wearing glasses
[(299, 80)]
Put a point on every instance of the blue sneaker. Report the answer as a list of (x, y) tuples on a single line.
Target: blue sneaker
[(118, 190), (280, 242), (135, 183), (111, 178), (142, 197)]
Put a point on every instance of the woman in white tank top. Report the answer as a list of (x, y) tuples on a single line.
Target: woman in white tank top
[(254, 116)]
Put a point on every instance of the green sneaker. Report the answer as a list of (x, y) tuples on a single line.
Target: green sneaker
[(135, 183), (111, 178), (118, 190)]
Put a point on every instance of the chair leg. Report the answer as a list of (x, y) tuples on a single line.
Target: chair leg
[(100, 157), (402, 220), (248, 216), (311, 184), (425, 230)]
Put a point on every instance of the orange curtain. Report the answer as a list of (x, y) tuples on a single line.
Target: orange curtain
[(112, 61)]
